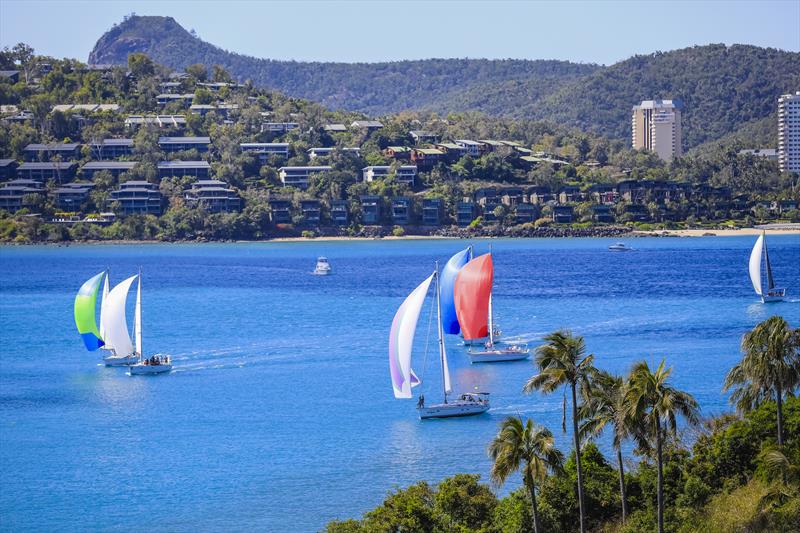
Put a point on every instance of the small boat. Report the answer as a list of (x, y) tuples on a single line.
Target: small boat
[(156, 364), (773, 294), (620, 247), (323, 268), (401, 341)]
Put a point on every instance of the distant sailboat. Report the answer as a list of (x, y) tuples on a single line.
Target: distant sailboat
[(113, 359), (449, 313), (473, 297), (85, 310), (156, 364), (401, 341), (773, 294)]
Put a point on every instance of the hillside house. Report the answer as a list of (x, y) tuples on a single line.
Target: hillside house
[(115, 168), (198, 169), (138, 198), (266, 150), (298, 176), (562, 214), (371, 209), (49, 152), (8, 169), (398, 152), (111, 148), (311, 211), (405, 173), (214, 196), (71, 196), (422, 137), (432, 211), (466, 212), (340, 213), (426, 158), (402, 210), (181, 144), (60, 171), (280, 210), (368, 125), (15, 194)]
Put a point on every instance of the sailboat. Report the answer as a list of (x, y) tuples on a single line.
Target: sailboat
[(156, 364), (401, 341), (449, 314), (85, 309), (473, 301), (113, 359), (773, 293)]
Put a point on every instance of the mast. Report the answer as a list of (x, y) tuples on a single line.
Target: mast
[(770, 281), (440, 332), (491, 311), (137, 317)]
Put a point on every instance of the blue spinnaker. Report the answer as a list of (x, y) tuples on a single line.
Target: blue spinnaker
[(448, 281)]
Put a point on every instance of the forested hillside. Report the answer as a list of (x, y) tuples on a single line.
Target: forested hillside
[(374, 88), (722, 87)]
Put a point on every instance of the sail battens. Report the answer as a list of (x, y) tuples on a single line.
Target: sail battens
[(401, 340), (473, 289), (447, 285), (114, 321), (85, 310), (755, 264)]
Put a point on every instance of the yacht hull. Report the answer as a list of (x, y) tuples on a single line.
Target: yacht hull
[(120, 360), (453, 410), (497, 356), (144, 370)]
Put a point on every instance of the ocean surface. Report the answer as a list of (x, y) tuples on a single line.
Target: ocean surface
[(279, 415)]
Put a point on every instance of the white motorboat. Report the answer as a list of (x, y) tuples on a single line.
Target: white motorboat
[(158, 364), (620, 247), (401, 341), (323, 267), (466, 405), (773, 293)]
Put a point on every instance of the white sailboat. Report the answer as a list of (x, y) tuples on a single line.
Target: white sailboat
[(156, 364), (112, 359), (401, 340), (492, 353), (773, 294)]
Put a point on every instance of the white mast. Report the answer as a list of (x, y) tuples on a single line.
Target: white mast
[(137, 317), (442, 354)]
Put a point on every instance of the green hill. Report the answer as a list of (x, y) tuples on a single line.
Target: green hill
[(722, 87)]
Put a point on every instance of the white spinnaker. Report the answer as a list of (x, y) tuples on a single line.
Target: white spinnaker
[(137, 317), (406, 324), (755, 264), (116, 325), (103, 311)]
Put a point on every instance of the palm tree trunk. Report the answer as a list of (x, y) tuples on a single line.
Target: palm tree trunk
[(622, 486), (532, 490), (779, 400), (660, 479), (576, 438)]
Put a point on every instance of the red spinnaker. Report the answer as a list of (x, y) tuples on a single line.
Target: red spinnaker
[(472, 291)]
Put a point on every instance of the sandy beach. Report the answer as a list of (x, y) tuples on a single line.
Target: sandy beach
[(782, 229)]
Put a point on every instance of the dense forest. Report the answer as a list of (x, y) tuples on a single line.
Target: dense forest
[(685, 474), (722, 87)]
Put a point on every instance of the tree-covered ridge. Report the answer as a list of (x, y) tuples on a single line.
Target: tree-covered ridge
[(722, 87), (373, 88)]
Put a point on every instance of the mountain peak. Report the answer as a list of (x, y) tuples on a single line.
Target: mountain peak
[(136, 34)]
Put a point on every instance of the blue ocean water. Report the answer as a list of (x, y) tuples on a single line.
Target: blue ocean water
[(279, 415)]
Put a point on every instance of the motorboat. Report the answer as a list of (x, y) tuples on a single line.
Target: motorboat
[(620, 247), (323, 267)]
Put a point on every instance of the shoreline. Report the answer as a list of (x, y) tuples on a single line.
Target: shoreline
[(785, 229)]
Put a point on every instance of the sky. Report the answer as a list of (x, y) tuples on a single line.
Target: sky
[(337, 30)]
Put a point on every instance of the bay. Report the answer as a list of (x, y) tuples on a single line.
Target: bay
[(279, 415)]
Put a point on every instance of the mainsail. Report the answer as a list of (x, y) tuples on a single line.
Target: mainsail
[(473, 289), (770, 281), (401, 339), (137, 317), (85, 309), (755, 264), (115, 323), (447, 285), (102, 311)]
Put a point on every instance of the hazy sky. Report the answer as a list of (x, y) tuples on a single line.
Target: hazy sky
[(598, 32)]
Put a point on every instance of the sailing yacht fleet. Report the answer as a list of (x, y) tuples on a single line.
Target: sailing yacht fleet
[(462, 293)]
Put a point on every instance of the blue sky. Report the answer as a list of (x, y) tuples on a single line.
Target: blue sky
[(595, 32)]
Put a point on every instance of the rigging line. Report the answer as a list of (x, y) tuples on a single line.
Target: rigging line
[(427, 339)]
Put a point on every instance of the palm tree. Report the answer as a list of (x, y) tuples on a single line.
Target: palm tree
[(563, 361), (770, 366), (784, 478), (605, 407), (526, 447), (656, 405)]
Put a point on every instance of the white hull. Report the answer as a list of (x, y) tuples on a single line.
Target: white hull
[(497, 356), (120, 360), (322, 272), (453, 409), (141, 369), (775, 296)]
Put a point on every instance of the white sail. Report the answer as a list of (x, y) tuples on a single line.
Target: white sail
[(114, 322), (103, 311), (442, 349), (755, 264), (401, 340), (137, 318)]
